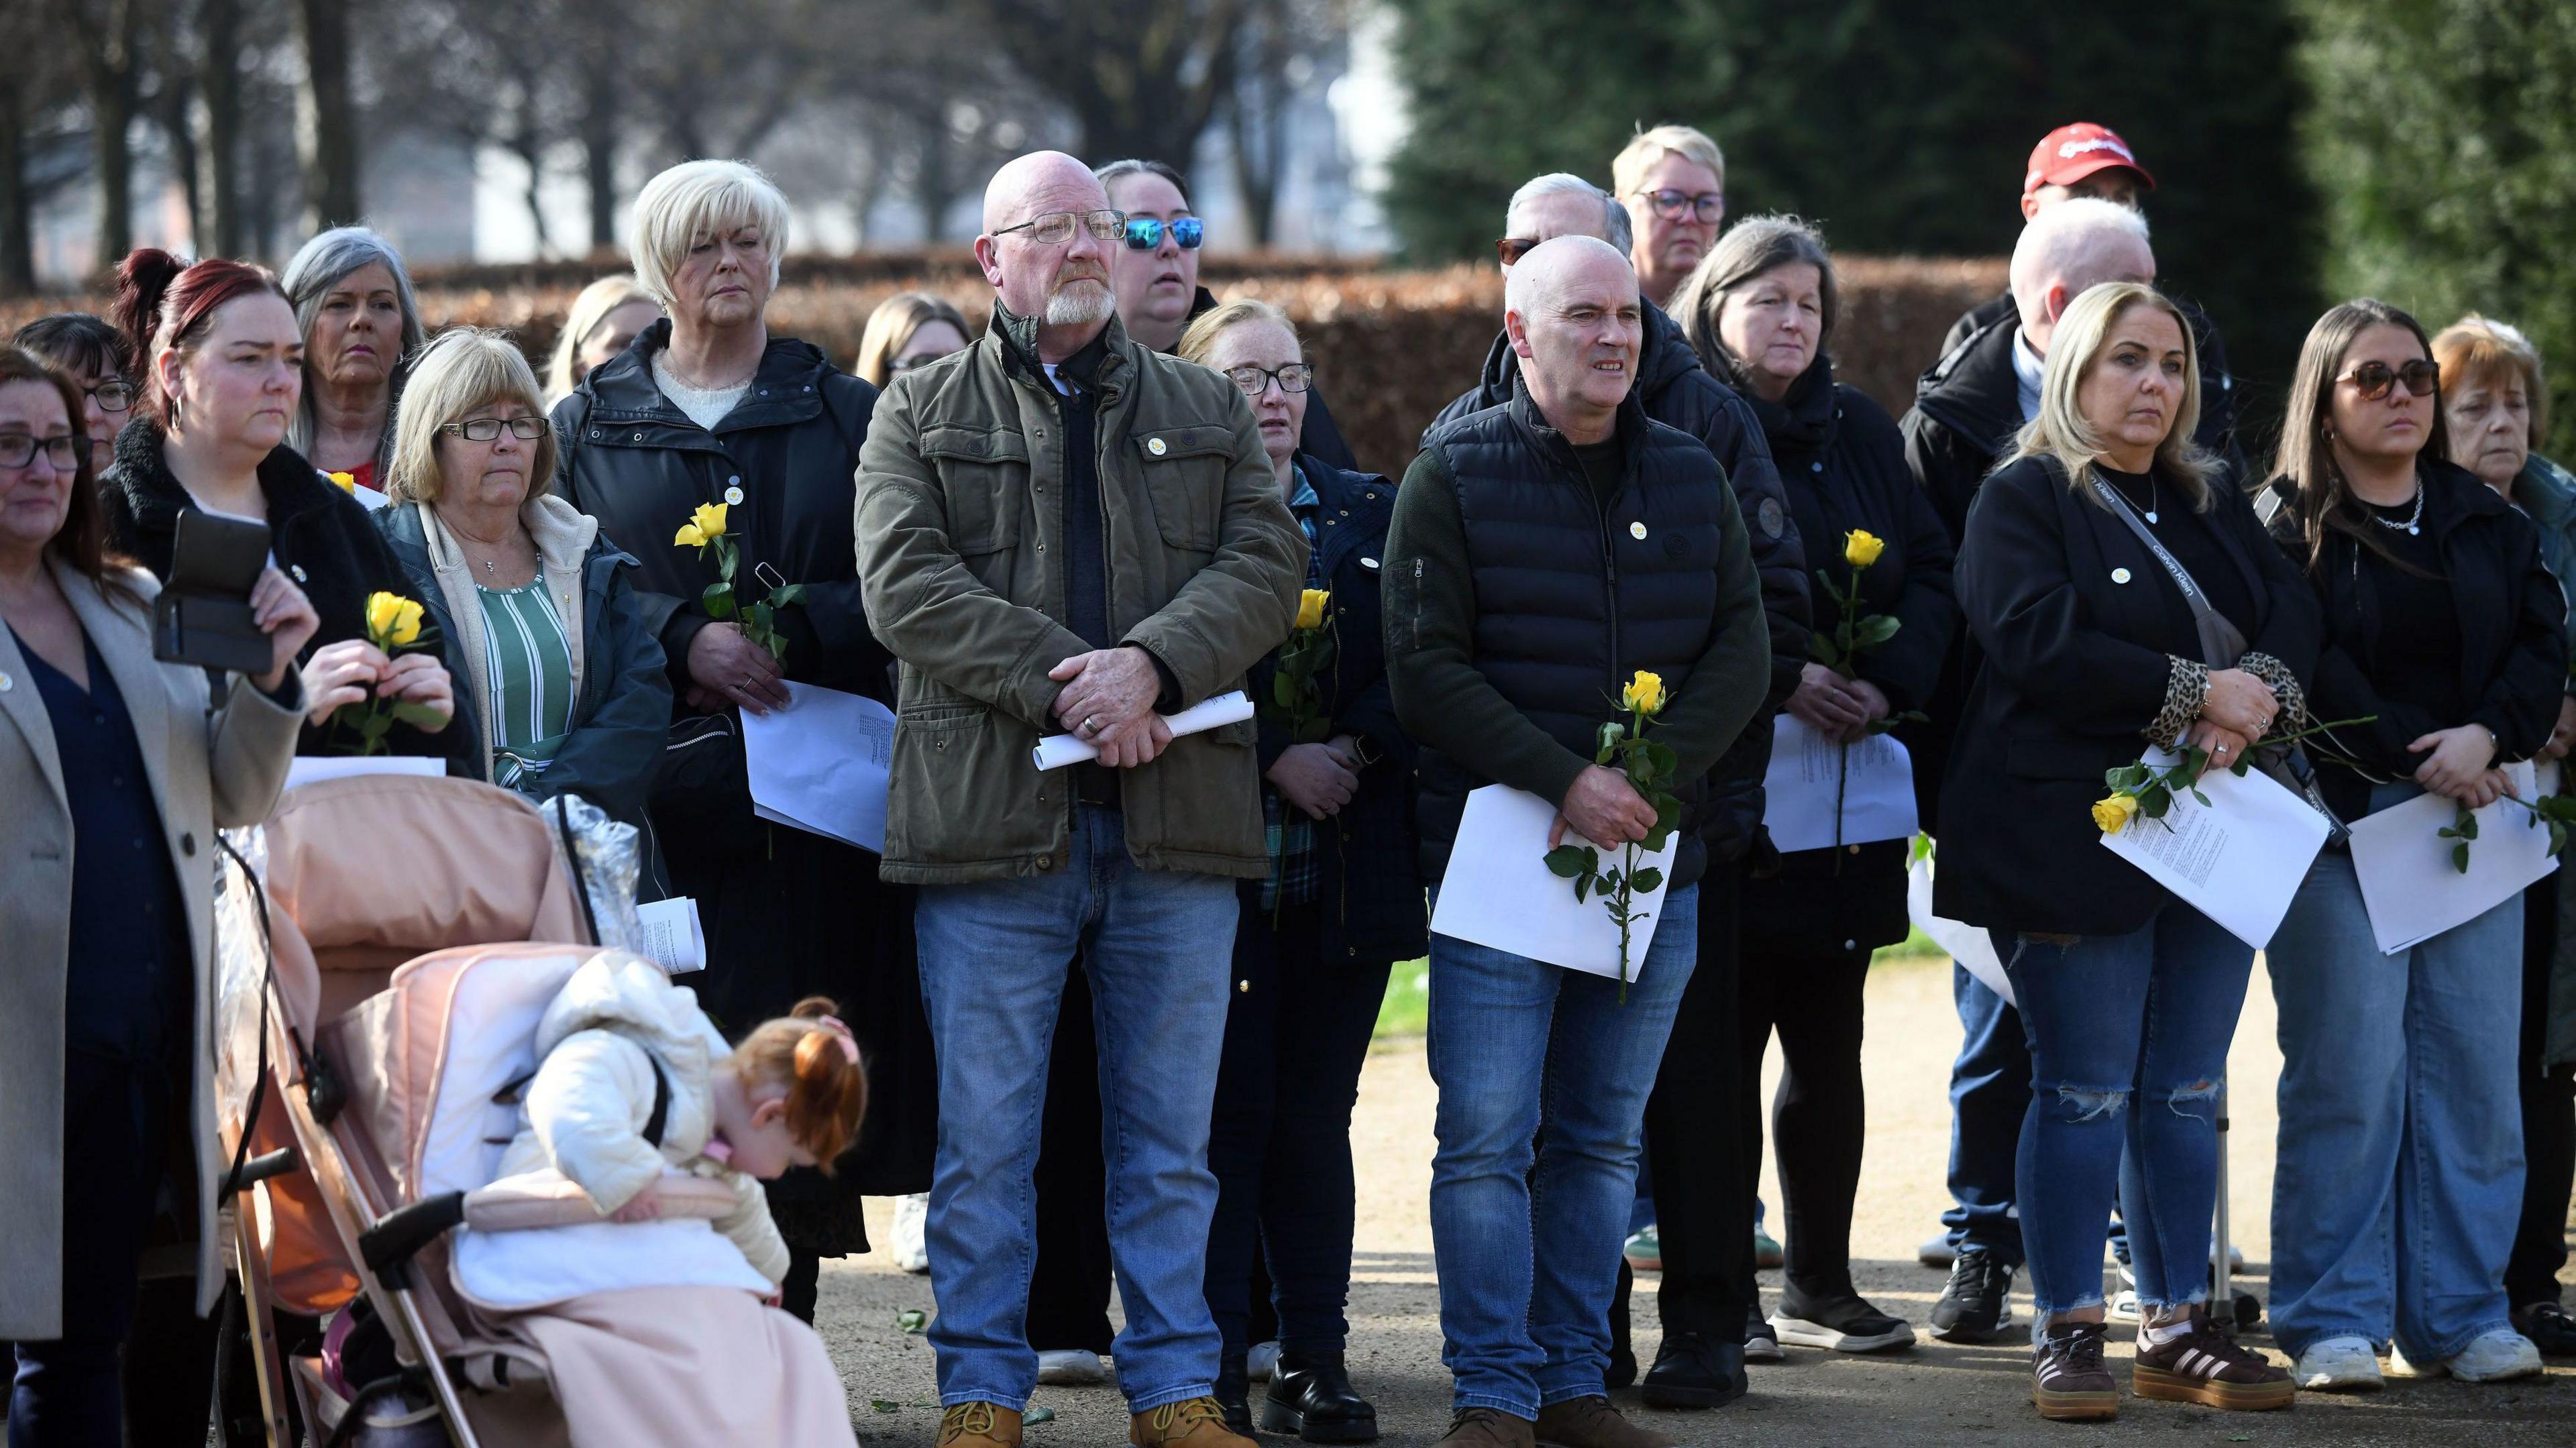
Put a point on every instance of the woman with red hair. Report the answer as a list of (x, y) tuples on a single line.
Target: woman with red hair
[(222, 363)]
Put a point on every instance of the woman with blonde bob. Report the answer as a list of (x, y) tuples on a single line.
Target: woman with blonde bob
[(606, 317), (907, 330), (2123, 602), (2399, 1174), (563, 685)]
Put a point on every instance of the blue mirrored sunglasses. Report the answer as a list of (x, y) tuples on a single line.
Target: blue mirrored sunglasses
[(1144, 233)]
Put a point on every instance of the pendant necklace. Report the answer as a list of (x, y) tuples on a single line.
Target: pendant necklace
[(2151, 497), (2414, 524)]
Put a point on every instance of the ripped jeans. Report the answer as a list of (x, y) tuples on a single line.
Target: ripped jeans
[(2128, 1045)]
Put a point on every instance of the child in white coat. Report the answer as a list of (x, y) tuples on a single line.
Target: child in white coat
[(627, 1060)]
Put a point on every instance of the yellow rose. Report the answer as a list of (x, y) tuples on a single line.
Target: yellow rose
[(689, 537), (1861, 547), (1310, 608), (392, 619), (709, 519), (1645, 693), (407, 624), (2114, 813), (348, 481)]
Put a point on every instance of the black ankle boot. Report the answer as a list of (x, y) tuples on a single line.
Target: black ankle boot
[(1234, 1395), (1311, 1396)]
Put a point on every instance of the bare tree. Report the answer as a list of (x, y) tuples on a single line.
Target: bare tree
[(106, 32), (221, 38), (1140, 77), (326, 115)]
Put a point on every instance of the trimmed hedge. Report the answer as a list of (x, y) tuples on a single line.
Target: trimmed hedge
[(1390, 347)]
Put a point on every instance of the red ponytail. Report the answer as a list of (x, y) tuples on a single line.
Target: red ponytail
[(161, 302), (811, 1054)]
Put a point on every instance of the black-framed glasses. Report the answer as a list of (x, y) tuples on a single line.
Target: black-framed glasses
[(1707, 207), (1056, 227), (1512, 248), (1253, 381), (1144, 233), (19, 449), (484, 429), (2373, 379), (114, 395)]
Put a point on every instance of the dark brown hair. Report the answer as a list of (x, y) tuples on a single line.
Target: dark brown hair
[(2305, 457), (77, 342), (82, 539), (827, 1090), (162, 302)]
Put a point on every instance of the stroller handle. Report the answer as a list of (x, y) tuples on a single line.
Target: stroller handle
[(398, 1236)]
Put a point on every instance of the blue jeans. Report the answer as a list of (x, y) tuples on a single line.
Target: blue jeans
[(1535, 1061), (1155, 945), (2399, 1177), (1989, 1096), (2128, 1043)]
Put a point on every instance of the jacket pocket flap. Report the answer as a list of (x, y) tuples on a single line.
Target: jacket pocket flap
[(974, 445), (1195, 440)]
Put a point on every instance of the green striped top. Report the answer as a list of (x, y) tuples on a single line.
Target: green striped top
[(527, 675)]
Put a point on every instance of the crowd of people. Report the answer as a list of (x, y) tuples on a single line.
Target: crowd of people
[(1108, 1022)]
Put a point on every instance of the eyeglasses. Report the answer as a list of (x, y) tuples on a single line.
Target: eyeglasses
[(1144, 233), (484, 429), (1295, 377), (18, 450), (1056, 227), (2373, 379), (1512, 248), (113, 395), (1707, 207)]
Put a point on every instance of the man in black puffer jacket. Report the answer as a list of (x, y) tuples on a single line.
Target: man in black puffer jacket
[(1678, 392), (1542, 553)]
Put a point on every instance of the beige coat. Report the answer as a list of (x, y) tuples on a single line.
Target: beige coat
[(206, 774)]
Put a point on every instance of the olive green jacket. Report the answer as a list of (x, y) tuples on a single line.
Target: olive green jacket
[(961, 552)]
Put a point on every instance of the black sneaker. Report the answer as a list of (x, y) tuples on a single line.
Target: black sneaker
[(2548, 1326), (2208, 1367), (1694, 1370), (1977, 1305), (1839, 1322), (1761, 1344), (2068, 1382)]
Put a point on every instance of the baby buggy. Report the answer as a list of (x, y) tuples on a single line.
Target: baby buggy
[(388, 945)]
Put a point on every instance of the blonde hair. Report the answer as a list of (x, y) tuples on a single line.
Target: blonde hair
[(2474, 349), (891, 327), (827, 1091), (590, 308), (1645, 148), (1200, 340), (464, 369), (693, 201), (2060, 431)]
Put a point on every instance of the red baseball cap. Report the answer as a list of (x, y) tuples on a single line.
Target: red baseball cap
[(2071, 153)]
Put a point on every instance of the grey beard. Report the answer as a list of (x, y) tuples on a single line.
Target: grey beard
[(1080, 304)]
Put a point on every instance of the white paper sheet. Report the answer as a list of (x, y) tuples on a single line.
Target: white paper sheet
[(2238, 859), (1499, 892), (1807, 770), (315, 769), (1969, 945), (673, 937), (1055, 751), (2408, 883), (820, 764)]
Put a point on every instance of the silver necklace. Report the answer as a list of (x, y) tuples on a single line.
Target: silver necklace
[(2414, 523), (2151, 497)]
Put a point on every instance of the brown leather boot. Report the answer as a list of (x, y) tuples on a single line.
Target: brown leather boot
[(1190, 1423), (1593, 1423), (1487, 1428), (979, 1425)]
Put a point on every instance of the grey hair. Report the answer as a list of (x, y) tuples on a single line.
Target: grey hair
[(1615, 226), (1753, 247), (1117, 171), (2065, 231), (318, 266)]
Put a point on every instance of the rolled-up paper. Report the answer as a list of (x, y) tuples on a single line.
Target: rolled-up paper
[(1055, 751)]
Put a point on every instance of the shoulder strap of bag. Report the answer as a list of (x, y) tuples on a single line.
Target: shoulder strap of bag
[(2221, 642), (661, 1116)]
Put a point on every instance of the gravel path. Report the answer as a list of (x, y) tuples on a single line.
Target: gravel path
[(1934, 1394)]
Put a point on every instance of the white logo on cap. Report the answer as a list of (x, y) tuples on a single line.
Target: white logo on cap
[(2068, 150)]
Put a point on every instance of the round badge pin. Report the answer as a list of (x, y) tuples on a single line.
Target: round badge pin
[(1155, 446), (1636, 530), (2119, 575), (733, 496)]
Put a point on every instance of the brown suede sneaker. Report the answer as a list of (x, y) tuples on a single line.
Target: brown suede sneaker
[(1488, 1428), (2206, 1366), (1593, 1423), (1190, 1423), (979, 1425)]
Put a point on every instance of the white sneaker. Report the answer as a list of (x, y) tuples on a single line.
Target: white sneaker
[(2339, 1365), (2496, 1357), (911, 1223), (1071, 1368), (1261, 1361)]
